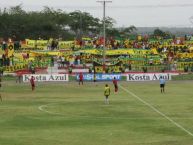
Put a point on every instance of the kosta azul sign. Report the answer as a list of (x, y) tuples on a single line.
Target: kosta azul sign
[(100, 77), (46, 77), (148, 76)]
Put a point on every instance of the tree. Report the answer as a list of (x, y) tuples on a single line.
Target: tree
[(160, 33), (82, 23), (17, 23), (45, 24), (128, 30), (124, 32)]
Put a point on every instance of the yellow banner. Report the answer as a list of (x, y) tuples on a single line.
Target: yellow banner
[(120, 52), (185, 55), (111, 69), (66, 44), (36, 44), (41, 44), (140, 52), (30, 43)]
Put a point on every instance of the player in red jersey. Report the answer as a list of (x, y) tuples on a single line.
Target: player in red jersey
[(115, 84), (32, 81), (80, 78)]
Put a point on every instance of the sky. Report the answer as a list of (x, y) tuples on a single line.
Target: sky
[(140, 13)]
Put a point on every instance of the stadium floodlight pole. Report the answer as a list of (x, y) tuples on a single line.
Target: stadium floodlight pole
[(80, 32), (104, 31)]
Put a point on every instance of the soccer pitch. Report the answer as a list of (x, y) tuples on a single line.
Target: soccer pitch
[(69, 114)]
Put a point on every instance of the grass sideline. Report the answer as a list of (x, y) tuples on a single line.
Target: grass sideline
[(183, 77), (78, 116)]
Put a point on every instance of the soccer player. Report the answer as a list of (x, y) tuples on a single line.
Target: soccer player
[(107, 93), (115, 84), (32, 81), (162, 84), (80, 78), (94, 78)]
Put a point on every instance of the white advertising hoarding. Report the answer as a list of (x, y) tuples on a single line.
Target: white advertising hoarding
[(100, 77), (46, 77), (148, 76)]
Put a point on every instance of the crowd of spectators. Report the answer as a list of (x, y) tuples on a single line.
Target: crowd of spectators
[(168, 51)]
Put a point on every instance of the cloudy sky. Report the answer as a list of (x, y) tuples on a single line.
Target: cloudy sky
[(169, 13)]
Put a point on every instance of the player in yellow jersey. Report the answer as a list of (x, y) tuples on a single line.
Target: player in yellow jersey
[(107, 93)]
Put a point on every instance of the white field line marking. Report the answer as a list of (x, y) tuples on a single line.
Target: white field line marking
[(156, 110), (42, 108)]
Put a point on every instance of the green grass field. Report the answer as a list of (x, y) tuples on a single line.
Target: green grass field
[(69, 114)]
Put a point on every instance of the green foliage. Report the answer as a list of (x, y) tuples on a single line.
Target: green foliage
[(82, 23), (18, 24), (160, 33), (121, 33)]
